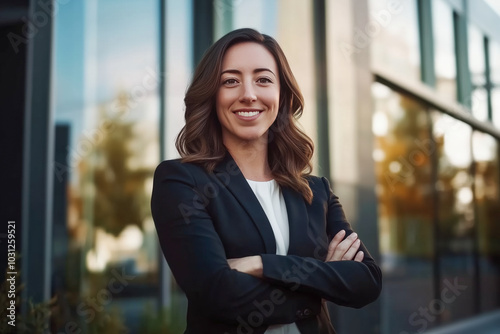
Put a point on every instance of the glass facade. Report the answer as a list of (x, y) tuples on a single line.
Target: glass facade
[(456, 227), (477, 67), (494, 58), (403, 157), (179, 60), (419, 181), (395, 36), (444, 49), (485, 152), (436, 228), (105, 255), (434, 222)]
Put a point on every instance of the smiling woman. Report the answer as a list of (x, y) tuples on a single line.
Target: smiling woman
[(201, 140), (256, 242)]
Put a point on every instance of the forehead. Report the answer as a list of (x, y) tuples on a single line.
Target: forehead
[(248, 55)]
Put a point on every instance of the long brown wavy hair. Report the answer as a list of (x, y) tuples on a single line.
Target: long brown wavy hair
[(200, 141)]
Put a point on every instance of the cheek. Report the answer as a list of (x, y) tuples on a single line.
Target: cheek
[(271, 98), (222, 117), (219, 107), (219, 100), (273, 101), (225, 98)]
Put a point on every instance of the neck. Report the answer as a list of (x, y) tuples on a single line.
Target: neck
[(251, 158)]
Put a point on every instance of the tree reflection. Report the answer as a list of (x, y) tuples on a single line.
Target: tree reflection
[(109, 222), (404, 177), (120, 198)]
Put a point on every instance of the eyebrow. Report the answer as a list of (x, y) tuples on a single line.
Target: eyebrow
[(257, 70)]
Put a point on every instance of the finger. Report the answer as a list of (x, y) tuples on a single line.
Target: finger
[(351, 252), (343, 247), (359, 257), (334, 243)]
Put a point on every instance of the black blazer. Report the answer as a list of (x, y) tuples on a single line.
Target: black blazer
[(203, 219)]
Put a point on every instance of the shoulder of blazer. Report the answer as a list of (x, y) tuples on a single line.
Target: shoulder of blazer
[(175, 167), (184, 172), (226, 166), (319, 185), (195, 175)]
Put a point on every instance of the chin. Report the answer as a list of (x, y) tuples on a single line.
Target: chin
[(252, 136)]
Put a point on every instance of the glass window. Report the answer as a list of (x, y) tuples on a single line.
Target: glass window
[(394, 29), (433, 213), (223, 16), (487, 197), (444, 49), (106, 117), (495, 81), (495, 5), (257, 14), (455, 211), (179, 53), (402, 154), (477, 67)]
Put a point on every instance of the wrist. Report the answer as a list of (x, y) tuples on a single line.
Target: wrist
[(257, 266)]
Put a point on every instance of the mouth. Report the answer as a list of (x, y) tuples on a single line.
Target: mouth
[(247, 114)]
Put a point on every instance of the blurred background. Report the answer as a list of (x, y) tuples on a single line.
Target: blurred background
[(402, 102)]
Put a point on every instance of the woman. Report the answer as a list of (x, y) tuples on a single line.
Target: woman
[(255, 242)]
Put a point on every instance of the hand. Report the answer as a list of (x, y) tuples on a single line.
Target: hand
[(251, 265), (345, 250)]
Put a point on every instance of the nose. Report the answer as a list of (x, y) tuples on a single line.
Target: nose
[(248, 93)]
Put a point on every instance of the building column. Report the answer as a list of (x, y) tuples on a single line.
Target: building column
[(38, 156)]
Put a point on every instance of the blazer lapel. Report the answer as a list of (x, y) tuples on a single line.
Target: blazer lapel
[(228, 173), (298, 221)]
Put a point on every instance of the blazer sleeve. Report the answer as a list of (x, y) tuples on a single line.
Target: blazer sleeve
[(198, 262), (346, 283)]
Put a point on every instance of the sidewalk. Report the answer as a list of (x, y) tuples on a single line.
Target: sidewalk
[(488, 323)]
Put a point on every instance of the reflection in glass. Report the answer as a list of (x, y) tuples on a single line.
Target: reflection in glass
[(495, 81), (402, 154), (477, 68), (444, 49), (456, 223), (494, 4), (179, 52), (438, 195), (487, 196), (257, 14), (106, 99), (395, 44)]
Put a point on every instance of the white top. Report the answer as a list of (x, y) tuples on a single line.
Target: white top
[(271, 199)]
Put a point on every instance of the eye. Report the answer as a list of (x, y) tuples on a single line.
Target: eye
[(229, 82), (264, 80)]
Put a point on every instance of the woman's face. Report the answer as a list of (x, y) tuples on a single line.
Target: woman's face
[(248, 96)]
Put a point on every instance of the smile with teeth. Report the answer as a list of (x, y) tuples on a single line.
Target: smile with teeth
[(247, 113)]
